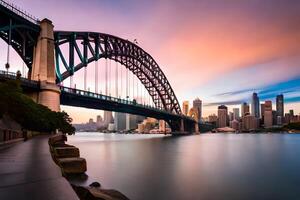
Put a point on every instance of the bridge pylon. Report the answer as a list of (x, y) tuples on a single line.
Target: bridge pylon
[(43, 68)]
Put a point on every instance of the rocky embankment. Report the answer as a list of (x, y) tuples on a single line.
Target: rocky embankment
[(67, 157)]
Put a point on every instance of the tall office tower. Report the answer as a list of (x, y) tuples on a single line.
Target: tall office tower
[(185, 107), (222, 116), (131, 122), (230, 116), (262, 110), (197, 104), (108, 118), (255, 106), (120, 121), (99, 120), (244, 108), (268, 114), (236, 113), (279, 105), (291, 112)]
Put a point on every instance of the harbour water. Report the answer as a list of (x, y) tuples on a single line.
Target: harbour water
[(206, 166)]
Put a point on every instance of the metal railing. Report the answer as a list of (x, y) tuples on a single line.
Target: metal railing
[(19, 12), (109, 98), (14, 76)]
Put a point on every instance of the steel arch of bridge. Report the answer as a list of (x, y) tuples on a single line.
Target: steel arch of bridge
[(91, 46)]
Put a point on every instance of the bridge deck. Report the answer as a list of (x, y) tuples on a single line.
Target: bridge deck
[(27, 171)]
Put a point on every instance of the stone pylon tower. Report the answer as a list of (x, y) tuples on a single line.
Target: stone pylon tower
[(43, 68)]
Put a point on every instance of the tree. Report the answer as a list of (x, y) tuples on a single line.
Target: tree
[(30, 115)]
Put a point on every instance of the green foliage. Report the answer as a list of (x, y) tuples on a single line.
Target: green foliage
[(30, 115), (295, 125)]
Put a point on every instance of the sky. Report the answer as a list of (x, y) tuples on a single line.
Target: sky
[(218, 50)]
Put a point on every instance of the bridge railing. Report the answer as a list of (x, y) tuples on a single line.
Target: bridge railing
[(19, 12), (14, 76), (108, 98)]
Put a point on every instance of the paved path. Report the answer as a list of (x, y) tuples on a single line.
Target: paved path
[(27, 171)]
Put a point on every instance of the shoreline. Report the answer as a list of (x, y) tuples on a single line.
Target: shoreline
[(67, 157)]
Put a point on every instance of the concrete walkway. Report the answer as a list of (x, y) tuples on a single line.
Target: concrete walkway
[(27, 171)]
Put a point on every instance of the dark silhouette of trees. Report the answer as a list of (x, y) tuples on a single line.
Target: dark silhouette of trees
[(30, 115)]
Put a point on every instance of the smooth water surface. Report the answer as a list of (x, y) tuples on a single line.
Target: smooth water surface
[(207, 166)]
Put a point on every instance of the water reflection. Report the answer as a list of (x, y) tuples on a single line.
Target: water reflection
[(209, 166)]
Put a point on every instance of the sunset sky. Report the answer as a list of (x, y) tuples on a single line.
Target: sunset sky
[(218, 50)]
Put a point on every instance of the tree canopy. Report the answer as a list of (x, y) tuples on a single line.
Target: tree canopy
[(30, 115)]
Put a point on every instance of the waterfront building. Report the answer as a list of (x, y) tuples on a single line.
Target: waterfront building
[(244, 108), (268, 114), (108, 118), (291, 112), (234, 124), (141, 128), (255, 105), (236, 113), (268, 119), (120, 121), (287, 118), (230, 116), (274, 117), (162, 126), (131, 121), (185, 107), (197, 105), (99, 120), (111, 127), (250, 122), (279, 120), (262, 110), (91, 121), (279, 105), (222, 116)]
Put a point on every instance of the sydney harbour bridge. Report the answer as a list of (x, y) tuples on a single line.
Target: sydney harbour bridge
[(52, 56)]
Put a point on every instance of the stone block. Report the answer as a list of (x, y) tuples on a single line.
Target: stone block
[(66, 152), (72, 165), (57, 139)]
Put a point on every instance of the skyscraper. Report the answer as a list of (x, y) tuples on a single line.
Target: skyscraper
[(131, 121), (185, 107), (262, 110), (268, 115), (108, 118), (244, 108), (222, 116), (255, 105), (120, 121), (197, 104), (236, 113), (279, 105)]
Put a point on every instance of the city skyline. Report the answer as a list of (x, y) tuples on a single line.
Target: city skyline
[(258, 53)]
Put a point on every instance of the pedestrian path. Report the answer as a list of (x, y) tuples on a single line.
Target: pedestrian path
[(27, 171)]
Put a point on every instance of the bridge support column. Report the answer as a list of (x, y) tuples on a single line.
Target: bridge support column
[(43, 67)]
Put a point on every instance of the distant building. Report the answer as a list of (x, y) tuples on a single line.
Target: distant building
[(234, 124), (120, 121), (291, 112), (244, 108), (162, 126), (213, 119), (274, 117), (91, 121), (197, 105), (131, 121), (108, 118), (236, 113), (99, 120), (185, 107), (279, 105), (279, 120), (250, 122), (262, 110), (255, 105), (230, 116), (268, 116), (222, 116)]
